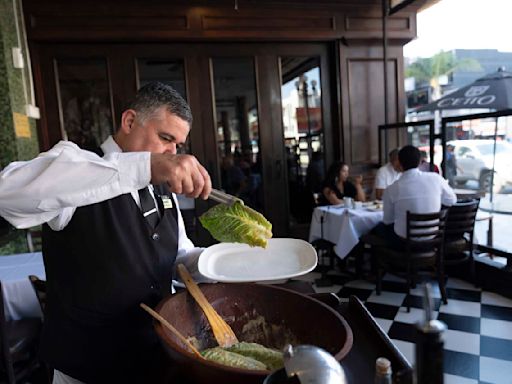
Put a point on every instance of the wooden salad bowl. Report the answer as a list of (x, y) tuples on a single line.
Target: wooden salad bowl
[(265, 314)]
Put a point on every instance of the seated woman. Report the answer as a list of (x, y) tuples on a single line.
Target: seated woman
[(336, 186)]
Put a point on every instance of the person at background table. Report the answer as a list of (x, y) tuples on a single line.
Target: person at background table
[(336, 185), (425, 164), (450, 165), (104, 252), (416, 192), (387, 174)]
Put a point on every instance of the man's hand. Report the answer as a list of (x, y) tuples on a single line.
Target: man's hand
[(183, 174)]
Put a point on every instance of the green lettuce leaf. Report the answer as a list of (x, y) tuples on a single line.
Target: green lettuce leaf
[(237, 223)]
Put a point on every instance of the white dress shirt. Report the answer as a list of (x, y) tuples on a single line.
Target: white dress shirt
[(386, 175), (417, 192), (49, 188)]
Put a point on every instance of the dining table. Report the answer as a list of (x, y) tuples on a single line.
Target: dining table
[(20, 300), (343, 226)]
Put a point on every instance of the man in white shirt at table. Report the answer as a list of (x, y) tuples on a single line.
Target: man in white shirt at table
[(387, 174), (416, 192)]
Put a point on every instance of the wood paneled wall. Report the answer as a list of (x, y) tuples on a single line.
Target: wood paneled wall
[(298, 20), (362, 79)]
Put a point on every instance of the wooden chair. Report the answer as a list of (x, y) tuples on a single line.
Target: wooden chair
[(458, 240), (19, 341), (423, 249), (40, 290)]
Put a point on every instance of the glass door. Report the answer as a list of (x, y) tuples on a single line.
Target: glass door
[(237, 129), (303, 134)]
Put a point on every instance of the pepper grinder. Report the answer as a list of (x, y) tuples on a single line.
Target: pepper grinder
[(429, 344)]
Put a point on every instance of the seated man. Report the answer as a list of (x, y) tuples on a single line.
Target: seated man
[(416, 192), (387, 174)]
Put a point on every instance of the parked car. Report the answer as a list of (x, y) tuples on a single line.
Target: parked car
[(475, 162)]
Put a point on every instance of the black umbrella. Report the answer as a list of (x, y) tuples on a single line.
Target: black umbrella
[(493, 91)]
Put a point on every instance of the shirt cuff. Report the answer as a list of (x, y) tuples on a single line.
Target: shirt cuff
[(134, 169)]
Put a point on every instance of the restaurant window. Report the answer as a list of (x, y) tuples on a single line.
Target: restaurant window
[(84, 101), (420, 134), (237, 129), (167, 71), (303, 133), (482, 156)]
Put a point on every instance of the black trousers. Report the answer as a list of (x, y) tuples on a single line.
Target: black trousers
[(387, 233)]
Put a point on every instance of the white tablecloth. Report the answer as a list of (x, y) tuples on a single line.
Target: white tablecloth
[(20, 300), (343, 227)]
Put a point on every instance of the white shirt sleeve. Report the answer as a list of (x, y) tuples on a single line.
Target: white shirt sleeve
[(51, 186), (380, 178), (448, 196), (188, 254)]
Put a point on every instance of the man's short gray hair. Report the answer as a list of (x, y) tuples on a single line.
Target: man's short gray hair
[(153, 96), (393, 154)]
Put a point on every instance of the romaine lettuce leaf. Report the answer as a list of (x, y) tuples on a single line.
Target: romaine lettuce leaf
[(237, 223)]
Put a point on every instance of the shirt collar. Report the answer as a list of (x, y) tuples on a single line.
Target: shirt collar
[(110, 146), (411, 172)]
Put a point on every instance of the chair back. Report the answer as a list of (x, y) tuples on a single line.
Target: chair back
[(461, 219), (40, 290), (425, 231)]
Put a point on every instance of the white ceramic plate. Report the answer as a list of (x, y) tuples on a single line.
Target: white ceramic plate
[(235, 263)]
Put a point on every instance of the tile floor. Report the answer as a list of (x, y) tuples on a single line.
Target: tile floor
[(478, 342)]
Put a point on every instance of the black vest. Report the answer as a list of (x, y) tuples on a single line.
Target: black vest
[(99, 268)]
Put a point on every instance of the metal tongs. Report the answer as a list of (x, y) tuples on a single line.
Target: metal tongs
[(224, 198)]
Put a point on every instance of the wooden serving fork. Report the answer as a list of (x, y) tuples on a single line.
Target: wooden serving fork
[(221, 330)]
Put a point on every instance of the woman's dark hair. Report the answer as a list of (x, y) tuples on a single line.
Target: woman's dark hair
[(155, 95), (409, 157), (333, 172)]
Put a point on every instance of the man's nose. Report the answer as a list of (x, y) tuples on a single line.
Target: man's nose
[(171, 148)]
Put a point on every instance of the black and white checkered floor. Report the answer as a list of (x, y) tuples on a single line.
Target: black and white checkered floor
[(478, 342)]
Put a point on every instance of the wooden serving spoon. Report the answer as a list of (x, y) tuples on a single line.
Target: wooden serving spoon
[(168, 325), (221, 330)]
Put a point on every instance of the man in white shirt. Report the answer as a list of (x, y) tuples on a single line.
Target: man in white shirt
[(416, 192), (387, 174), (110, 238)]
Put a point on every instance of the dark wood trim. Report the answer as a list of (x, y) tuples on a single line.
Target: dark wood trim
[(94, 21)]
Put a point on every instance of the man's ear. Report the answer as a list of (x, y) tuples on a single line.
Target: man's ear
[(127, 120)]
